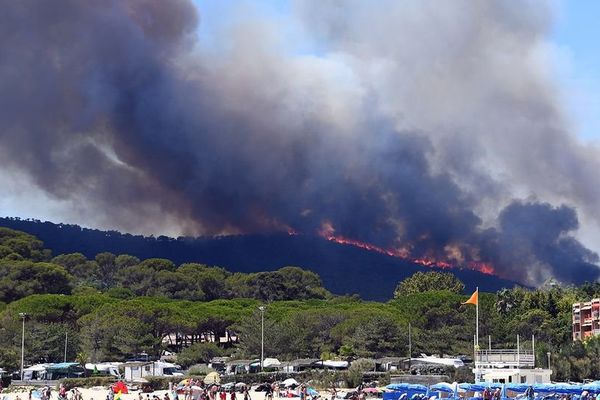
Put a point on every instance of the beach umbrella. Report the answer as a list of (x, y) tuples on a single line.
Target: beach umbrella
[(212, 378), (120, 387), (371, 390), (312, 392), (566, 388), (517, 387), (593, 387), (228, 386), (184, 382), (407, 387), (442, 387)]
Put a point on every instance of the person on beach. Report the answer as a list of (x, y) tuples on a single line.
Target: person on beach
[(487, 395), (269, 392), (277, 390), (496, 395), (246, 394), (529, 393), (232, 395), (222, 395)]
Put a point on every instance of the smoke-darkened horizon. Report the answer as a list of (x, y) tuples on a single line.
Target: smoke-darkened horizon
[(433, 129)]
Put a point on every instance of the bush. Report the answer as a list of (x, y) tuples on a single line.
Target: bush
[(198, 353), (357, 370), (71, 383)]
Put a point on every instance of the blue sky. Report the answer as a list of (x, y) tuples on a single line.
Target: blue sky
[(576, 32)]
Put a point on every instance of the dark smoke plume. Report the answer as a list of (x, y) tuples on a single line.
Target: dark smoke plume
[(417, 123)]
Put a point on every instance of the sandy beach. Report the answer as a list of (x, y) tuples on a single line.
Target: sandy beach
[(100, 393)]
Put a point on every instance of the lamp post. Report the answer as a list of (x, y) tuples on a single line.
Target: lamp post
[(548, 354), (23, 316), (262, 336), (66, 341)]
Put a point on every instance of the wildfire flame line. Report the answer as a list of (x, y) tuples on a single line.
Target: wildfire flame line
[(427, 262)]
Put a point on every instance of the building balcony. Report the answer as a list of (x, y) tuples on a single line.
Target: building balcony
[(505, 357)]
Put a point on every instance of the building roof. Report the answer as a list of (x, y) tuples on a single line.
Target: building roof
[(219, 359), (241, 362), (387, 360), (304, 362), (136, 363)]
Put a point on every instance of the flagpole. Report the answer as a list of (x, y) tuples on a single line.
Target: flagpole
[(477, 335), (477, 318), (474, 299)]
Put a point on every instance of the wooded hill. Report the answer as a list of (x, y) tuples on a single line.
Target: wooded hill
[(344, 269), (110, 310)]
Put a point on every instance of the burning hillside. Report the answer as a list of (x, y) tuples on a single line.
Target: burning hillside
[(328, 233)]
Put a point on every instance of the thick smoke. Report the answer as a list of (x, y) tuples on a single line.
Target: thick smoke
[(410, 128)]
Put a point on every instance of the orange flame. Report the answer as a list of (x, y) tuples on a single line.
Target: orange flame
[(328, 232)]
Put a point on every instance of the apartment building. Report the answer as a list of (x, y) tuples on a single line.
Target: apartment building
[(586, 319)]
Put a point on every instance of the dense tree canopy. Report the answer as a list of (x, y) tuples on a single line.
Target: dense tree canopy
[(427, 281), (27, 268), (114, 306)]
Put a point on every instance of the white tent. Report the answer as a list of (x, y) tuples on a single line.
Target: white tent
[(335, 364), (35, 372), (106, 368), (271, 363), (289, 382)]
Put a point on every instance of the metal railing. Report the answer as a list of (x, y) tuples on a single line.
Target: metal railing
[(509, 357)]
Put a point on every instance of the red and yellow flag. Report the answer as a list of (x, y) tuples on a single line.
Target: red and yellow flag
[(474, 299)]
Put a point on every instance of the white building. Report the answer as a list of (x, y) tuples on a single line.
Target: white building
[(137, 370), (508, 366)]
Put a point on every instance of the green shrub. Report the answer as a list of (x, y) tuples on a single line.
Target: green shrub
[(92, 381)]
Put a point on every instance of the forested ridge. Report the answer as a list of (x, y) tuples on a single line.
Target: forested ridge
[(115, 306), (343, 269)]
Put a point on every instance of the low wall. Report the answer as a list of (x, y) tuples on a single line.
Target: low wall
[(36, 383)]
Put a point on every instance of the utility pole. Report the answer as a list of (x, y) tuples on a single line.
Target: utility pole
[(23, 316), (533, 348), (262, 336), (66, 341), (409, 346), (518, 353)]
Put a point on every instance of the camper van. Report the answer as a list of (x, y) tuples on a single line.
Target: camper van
[(103, 369), (140, 369)]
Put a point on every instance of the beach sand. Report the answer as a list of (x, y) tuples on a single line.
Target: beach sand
[(100, 393)]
